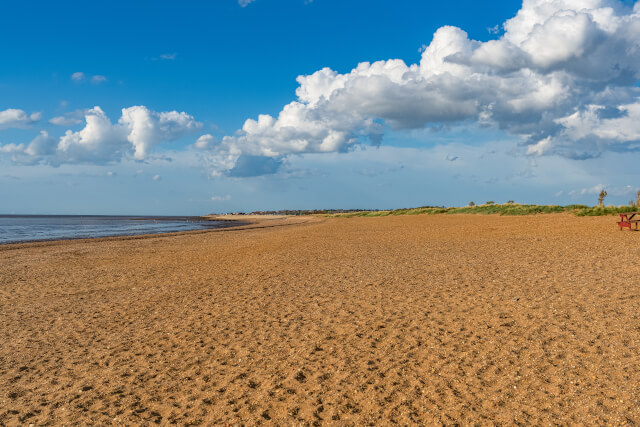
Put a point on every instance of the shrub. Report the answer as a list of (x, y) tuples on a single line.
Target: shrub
[(492, 208)]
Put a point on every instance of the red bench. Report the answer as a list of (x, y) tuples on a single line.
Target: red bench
[(626, 219)]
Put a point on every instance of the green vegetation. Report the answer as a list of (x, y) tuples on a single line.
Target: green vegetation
[(490, 208), (608, 210)]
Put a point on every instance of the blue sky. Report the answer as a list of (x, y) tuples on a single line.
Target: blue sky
[(153, 107)]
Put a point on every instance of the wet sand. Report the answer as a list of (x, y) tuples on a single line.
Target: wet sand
[(319, 321)]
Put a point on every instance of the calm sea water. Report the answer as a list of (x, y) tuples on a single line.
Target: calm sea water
[(15, 228)]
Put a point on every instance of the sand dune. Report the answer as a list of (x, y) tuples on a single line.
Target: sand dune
[(412, 320)]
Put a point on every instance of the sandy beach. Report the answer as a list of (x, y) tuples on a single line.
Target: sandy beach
[(327, 321)]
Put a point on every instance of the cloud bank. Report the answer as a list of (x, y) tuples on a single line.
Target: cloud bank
[(137, 132), (562, 79)]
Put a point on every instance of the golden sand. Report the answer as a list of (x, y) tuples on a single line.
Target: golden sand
[(413, 319)]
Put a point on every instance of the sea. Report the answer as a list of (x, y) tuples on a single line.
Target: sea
[(30, 228)]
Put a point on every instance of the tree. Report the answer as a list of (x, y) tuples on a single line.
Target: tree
[(638, 198), (601, 197)]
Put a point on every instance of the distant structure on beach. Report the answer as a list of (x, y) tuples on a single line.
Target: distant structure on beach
[(302, 212)]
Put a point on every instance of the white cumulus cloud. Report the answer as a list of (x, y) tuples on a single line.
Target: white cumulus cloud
[(146, 128), (15, 118), (40, 147), (562, 79), (136, 134), (205, 142), (69, 119)]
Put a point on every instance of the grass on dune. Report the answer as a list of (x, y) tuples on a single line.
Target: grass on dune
[(497, 209)]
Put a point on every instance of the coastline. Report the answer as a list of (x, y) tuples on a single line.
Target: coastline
[(232, 223), (408, 319), (243, 223)]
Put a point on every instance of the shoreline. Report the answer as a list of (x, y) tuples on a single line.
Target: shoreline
[(236, 224), (204, 219)]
